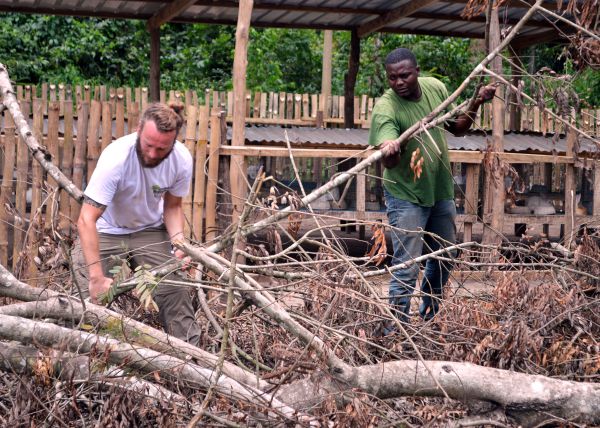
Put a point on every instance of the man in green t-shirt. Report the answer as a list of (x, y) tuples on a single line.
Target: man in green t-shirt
[(418, 186)]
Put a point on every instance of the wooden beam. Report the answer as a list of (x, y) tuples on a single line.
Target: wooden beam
[(326, 72), (494, 190), (237, 171), (350, 80), (168, 12), (392, 16)]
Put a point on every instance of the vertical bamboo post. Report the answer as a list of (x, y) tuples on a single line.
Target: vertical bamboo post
[(263, 105), (133, 118), (20, 197), (128, 98), (238, 166), (61, 98), (361, 200), (120, 114), (37, 170), (190, 142), (256, 108), (570, 205), (6, 218), (200, 177), (471, 198), (93, 147), (67, 169), (144, 99), (106, 125), (80, 154), (305, 107), (53, 121), (213, 173)]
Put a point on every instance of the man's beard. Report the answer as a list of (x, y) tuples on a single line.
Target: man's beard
[(152, 163)]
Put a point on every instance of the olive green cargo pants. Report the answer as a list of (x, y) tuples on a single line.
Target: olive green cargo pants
[(150, 247)]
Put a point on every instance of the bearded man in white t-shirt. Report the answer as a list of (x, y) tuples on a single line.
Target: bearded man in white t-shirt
[(133, 210)]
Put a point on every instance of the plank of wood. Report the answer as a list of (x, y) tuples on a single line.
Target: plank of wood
[(20, 196), (120, 113), (80, 153), (93, 143), (6, 191), (213, 174), (64, 222), (190, 142), (200, 174), (106, 125), (570, 188), (52, 141)]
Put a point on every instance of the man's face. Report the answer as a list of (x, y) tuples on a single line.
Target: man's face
[(403, 79), (153, 146)]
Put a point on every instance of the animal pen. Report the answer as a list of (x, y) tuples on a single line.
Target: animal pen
[(300, 340), (76, 123)]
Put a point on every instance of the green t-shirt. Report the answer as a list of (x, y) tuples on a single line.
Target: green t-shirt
[(392, 115)]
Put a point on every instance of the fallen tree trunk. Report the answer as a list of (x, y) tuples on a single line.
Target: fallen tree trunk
[(141, 359), (527, 399), (54, 305)]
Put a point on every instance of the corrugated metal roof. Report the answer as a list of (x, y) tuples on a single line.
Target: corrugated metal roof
[(513, 142), (436, 18)]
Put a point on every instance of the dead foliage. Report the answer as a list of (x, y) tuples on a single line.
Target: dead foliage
[(546, 327)]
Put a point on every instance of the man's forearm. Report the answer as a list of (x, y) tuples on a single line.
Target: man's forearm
[(174, 221), (90, 246), (463, 122)]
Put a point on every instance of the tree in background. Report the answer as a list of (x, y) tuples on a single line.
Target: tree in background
[(39, 48)]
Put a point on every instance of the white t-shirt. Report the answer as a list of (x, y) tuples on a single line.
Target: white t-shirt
[(133, 195)]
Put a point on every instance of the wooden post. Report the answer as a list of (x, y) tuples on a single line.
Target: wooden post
[(154, 63), (570, 205), (20, 195), (37, 176), (93, 149), (471, 197), (238, 167), (106, 125), (6, 218), (361, 200), (53, 121), (133, 118), (596, 202), (495, 193), (200, 177), (190, 143), (515, 112), (120, 114), (67, 167), (326, 73), (350, 79), (80, 154), (213, 173)]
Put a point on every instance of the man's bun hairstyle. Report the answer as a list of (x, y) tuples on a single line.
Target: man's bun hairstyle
[(167, 118)]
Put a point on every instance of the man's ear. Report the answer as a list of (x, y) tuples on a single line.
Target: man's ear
[(418, 70), (139, 128)]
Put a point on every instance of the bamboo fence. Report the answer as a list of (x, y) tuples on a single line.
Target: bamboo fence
[(77, 123)]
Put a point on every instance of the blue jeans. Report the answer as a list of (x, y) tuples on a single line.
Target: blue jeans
[(412, 221)]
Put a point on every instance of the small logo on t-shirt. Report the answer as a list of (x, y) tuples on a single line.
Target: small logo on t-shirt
[(158, 191)]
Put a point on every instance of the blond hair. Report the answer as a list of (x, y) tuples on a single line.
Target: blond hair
[(167, 118)]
